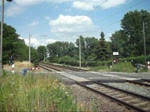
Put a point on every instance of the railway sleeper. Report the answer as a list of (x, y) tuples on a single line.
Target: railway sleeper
[(113, 94), (107, 91), (133, 101), (147, 109), (126, 98), (143, 104)]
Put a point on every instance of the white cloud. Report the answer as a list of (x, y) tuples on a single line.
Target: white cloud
[(34, 23), (72, 25), (34, 42), (112, 3), (49, 41), (13, 10), (33, 2), (82, 5), (18, 6), (91, 4)]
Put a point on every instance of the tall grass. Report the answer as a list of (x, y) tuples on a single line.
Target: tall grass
[(119, 67), (123, 67), (100, 68), (34, 93)]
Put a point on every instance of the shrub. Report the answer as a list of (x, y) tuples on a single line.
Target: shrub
[(123, 67)]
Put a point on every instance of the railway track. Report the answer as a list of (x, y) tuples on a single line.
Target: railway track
[(140, 83), (131, 100), (143, 83), (61, 68)]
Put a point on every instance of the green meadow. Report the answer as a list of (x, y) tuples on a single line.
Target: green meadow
[(34, 93)]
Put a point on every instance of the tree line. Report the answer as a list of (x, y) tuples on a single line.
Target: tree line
[(128, 42)]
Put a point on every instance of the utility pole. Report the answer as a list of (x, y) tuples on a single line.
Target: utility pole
[(30, 45), (143, 17), (1, 39), (79, 52)]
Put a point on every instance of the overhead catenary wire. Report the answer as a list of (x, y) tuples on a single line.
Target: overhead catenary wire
[(114, 14), (89, 12), (120, 11), (111, 24), (82, 6)]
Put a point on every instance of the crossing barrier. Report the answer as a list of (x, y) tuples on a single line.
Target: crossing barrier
[(13, 68), (148, 64)]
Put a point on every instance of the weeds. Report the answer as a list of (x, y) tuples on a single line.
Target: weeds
[(123, 67), (34, 93), (119, 67)]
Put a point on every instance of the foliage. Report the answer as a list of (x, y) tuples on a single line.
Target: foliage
[(34, 56), (42, 51), (102, 49), (12, 45), (123, 67), (88, 47), (132, 25), (16, 47), (117, 43), (34, 93), (68, 61), (128, 41), (60, 49), (20, 50)]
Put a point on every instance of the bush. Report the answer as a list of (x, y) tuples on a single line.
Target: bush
[(69, 61), (123, 67)]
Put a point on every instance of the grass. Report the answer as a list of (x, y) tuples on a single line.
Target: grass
[(119, 67), (34, 93), (123, 67), (100, 68)]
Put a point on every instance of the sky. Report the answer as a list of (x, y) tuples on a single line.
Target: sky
[(48, 21)]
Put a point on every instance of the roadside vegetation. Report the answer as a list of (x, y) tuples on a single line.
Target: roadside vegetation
[(34, 93), (123, 65), (127, 42)]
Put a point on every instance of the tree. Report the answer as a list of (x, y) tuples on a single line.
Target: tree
[(117, 42), (102, 49), (59, 49), (133, 29), (21, 50), (88, 47), (12, 45), (91, 43), (34, 56), (42, 51)]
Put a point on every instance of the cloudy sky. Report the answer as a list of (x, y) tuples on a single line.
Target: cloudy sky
[(65, 20)]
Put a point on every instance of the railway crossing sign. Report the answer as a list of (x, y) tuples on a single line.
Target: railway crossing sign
[(115, 53)]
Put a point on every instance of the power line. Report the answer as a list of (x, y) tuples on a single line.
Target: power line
[(82, 6), (89, 11), (139, 3), (120, 11), (114, 14)]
